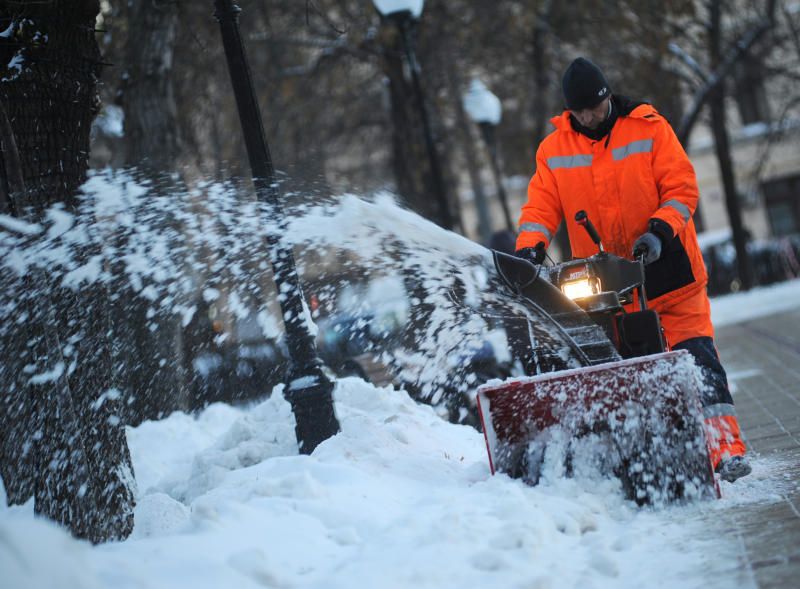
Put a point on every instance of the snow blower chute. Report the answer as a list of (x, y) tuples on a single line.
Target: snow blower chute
[(633, 412)]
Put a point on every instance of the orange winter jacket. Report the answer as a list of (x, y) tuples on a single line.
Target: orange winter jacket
[(637, 172)]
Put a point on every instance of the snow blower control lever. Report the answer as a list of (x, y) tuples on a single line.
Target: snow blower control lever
[(583, 220)]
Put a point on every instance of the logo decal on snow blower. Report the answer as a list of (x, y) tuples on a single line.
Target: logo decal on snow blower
[(579, 273)]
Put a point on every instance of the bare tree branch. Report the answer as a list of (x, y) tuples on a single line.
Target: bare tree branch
[(733, 56), (309, 5), (793, 29), (676, 49), (777, 130)]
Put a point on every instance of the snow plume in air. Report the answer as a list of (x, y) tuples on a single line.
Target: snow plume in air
[(194, 314), (430, 302)]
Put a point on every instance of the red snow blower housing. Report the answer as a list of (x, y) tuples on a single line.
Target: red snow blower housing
[(635, 414)]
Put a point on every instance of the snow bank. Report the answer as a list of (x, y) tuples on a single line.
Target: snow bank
[(759, 302), (37, 554), (399, 498)]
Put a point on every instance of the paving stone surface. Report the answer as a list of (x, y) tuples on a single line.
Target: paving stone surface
[(762, 358)]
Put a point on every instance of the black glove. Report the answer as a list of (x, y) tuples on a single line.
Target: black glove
[(648, 246), (532, 254)]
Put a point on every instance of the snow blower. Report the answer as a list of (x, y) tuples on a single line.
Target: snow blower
[(632, 410)]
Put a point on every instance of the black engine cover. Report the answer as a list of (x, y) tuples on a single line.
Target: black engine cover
[(639, 334)]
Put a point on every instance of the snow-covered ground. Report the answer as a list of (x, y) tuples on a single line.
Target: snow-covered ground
[(400, 498), (759, 302)]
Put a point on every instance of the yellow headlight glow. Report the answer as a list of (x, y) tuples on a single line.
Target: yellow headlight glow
[(578, 289)]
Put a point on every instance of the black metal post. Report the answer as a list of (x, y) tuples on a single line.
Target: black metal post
[(309, 390), (403, 21), (488, 132)]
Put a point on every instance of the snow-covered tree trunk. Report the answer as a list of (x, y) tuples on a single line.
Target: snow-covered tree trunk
[(62, 439), (51, 61)]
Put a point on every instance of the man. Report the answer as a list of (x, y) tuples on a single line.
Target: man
[(620, 161)]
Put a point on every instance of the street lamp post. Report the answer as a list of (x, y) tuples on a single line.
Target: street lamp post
[(404, 14), (485, 109), (310, 391)]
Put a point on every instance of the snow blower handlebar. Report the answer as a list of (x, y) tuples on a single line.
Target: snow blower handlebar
[(600, 285), (602, 272), (632, 276)]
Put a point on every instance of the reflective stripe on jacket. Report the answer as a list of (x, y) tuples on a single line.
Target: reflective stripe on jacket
[(637, 172)]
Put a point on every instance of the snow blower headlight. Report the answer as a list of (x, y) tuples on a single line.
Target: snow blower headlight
[(578, 289)]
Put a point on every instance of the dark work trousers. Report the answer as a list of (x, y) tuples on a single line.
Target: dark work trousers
[(715, 392)]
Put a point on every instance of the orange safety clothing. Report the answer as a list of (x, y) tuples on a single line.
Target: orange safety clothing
[(686, 319), (719, 414), (637, 173), (724, 438)]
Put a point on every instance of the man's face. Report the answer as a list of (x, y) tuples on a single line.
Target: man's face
[(592, 117)]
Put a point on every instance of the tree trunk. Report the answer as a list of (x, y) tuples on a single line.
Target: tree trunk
[(151, 111), (50, 94), (732, 201), (411, 161), (12, 182), (540, 52), (59, 441), (722, 147), (154, 378)]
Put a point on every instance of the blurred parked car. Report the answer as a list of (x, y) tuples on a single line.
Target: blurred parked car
[(230, 361), (370, 331)]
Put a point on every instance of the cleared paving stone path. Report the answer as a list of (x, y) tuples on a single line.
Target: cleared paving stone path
[(762, 358)]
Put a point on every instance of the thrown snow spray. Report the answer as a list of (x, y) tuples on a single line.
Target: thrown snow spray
[(189, 303)]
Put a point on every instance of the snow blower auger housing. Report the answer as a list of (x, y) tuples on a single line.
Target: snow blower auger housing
[(636, 416)]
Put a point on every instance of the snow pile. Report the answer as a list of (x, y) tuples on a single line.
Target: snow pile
[(399, 498), (37, 554)]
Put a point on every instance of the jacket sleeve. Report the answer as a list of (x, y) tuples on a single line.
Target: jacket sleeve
[(675, 179), (542, 214)]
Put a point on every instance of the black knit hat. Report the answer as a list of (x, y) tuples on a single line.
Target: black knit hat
[(584, 85)]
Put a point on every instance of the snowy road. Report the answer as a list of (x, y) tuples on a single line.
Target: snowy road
[(402, 499)]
